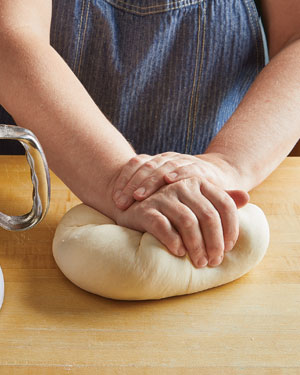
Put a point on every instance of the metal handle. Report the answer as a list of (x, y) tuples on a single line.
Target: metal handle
[(39, 176)]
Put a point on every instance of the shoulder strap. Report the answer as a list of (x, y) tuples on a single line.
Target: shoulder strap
[(258, 6)]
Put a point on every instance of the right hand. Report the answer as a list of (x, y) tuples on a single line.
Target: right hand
[(189, 216)]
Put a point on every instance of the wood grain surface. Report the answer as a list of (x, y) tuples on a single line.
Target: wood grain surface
[(49, 326)]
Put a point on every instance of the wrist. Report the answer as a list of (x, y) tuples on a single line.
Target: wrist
[(100, 200), (99, 195), (114, 210), (225, 174)]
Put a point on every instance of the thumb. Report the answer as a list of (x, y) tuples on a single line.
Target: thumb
[(240, 197)]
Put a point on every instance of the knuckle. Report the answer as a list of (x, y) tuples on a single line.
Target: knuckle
[(195, 170), (186, 222), (190, 183), (130, 188), (150, 165), (136, 160), (174, 242), (122, 181), (171, 164), (201, 170), (196, 250), (157, 221), (182, 184), (169, 153), (144, 156), (150, 181), (208, 216), (216, 246), (194, 180), (159, 227), (226, 203)]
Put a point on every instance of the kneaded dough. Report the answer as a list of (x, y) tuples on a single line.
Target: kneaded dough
[(1, 288), (116, 262)]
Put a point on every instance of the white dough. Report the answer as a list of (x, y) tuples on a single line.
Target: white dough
[(1, 288), (116, 262)]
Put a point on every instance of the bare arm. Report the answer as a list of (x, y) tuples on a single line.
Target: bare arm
[(42, 94), (259, 135), (266, 125), (82, 147)]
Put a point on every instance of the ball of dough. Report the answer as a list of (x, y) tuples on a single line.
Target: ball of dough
[(116, 262), (1, 288)]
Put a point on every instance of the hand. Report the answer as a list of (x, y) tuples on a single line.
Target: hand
[(191, 215), (144, 174)]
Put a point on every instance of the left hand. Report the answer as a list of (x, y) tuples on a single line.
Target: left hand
[(190, 216), (144, 174)]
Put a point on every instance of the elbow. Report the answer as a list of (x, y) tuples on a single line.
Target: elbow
[(12, 36), (275, 48)]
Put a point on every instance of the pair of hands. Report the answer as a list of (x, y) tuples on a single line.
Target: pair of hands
[(176, 198)]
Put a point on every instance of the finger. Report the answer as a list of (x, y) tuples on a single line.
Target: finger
[(208, 218), (127, 172), (160, 227), (151, 184), (186, 224), (227, 210), (126, 197), (183, 172), (240, 197), (170, 154)]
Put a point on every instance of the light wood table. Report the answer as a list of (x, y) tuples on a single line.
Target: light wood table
[(49, 326)]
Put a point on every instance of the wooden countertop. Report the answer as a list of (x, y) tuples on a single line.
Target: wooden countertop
[(49, 326)]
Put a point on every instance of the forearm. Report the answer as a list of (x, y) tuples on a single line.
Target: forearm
[(43, 95), (266, 125)]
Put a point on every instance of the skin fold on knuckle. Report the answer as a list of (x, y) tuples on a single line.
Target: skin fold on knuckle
[(159, 226), (226, 204), (189, 185), (228, 212), (149, 165), (136, 161), (174, 243), (130, 188), (186, 223), (122, 182), (182, 172), (151, 183), (196, 250), (209, 217), (156, 222), (170, 165)]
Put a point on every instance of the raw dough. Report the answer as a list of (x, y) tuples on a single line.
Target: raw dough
[(116, 262), (1, 288)]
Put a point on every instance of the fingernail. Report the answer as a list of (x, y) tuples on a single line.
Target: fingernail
[(140, 191), (117, 194), (181, 252), (202, 262), (228, 245), (215, 261), (122, 201), (172, 176)]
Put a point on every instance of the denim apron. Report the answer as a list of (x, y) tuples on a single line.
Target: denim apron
[(167, 73)]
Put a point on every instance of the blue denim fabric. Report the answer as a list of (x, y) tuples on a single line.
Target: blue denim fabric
[(167, 73)]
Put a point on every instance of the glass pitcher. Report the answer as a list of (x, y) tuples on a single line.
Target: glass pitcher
[(40, 180), (39, 176)]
